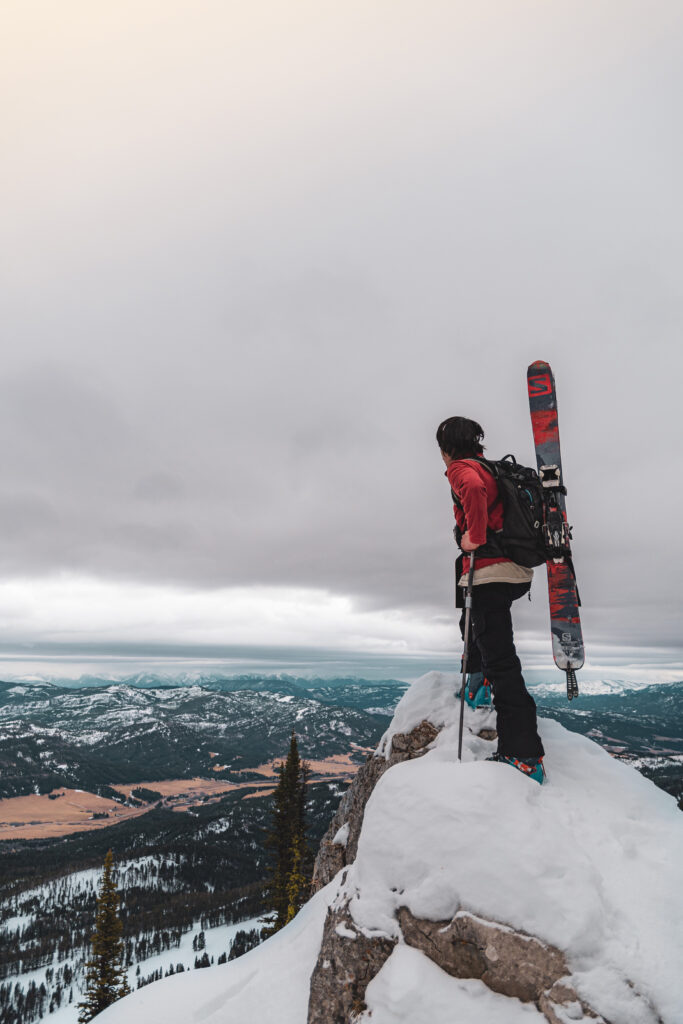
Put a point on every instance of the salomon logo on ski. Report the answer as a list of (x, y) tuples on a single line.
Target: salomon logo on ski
[(540, 386)]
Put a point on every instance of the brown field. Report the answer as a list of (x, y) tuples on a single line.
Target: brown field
[(337, 766), (39, 817), (196, 788)]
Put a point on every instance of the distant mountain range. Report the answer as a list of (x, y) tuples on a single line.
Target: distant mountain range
[(148, 728), (643, 727), (95, 736)]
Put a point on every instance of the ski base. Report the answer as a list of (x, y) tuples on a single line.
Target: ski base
[(565, 624)]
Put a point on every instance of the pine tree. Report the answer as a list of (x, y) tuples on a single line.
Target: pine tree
[(297, 882), (288, 884), (105, 980)]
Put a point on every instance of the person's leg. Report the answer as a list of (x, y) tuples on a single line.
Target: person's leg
[(473, 653), (515, 707)]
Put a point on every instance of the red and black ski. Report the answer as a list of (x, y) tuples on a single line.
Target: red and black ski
[(565, 623)]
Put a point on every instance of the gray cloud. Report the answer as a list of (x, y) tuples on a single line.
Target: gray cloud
[(255, 260)]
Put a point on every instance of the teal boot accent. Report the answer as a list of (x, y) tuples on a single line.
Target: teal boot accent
[(477, 691), (531, 767)]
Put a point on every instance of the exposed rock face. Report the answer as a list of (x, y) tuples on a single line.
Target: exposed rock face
[(347, 963), (507, 961), (487, 734), (333, 856)]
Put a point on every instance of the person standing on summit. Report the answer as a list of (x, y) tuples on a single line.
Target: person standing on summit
[(492, 663)]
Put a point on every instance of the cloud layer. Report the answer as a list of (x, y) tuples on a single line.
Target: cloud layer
[(258, 253)]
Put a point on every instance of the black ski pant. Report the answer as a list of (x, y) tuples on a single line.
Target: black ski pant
[(492, 651)]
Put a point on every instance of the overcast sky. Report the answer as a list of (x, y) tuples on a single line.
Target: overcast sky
[(255, 252)]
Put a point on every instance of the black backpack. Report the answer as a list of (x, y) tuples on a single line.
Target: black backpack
[(522, 538)]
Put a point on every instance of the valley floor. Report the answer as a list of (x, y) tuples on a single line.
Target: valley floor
[(66, 811)]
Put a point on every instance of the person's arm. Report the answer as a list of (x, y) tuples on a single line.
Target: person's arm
[(471, 492)]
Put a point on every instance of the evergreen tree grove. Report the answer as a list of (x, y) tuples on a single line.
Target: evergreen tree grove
[(105, 979), (290, 874)]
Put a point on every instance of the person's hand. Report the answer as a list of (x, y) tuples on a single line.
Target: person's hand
[(466, 544)]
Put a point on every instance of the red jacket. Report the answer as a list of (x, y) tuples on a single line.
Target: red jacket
[(477, 491)]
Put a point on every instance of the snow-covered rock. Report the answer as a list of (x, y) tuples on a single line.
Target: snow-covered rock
[(468, 892), (411, 989)]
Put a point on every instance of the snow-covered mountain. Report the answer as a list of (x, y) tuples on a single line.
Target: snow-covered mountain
[(93, 737), (580, 875)]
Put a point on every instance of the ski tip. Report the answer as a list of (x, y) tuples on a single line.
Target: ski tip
[(538, 365)]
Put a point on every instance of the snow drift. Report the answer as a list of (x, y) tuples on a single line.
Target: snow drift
[(587, 866)]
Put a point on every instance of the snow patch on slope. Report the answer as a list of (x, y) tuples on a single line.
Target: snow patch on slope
[(268, 985)]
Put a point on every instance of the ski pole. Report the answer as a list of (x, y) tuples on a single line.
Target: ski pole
[(466, 651)]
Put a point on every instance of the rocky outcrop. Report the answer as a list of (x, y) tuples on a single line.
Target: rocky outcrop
[(507, 961), (347, 963), (340, 842)]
